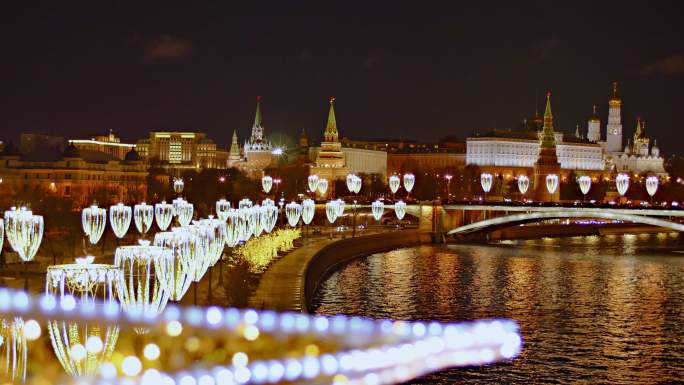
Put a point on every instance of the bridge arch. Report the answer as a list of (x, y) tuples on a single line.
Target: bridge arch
[(492, 224)]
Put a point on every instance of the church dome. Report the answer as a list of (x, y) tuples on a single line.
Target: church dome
[(71, 152), (132, 156)]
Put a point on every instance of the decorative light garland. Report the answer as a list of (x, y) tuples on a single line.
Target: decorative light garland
[(331, 211), (584, 182), (24, 232), (340, 207), (178, 185), (222, 207)]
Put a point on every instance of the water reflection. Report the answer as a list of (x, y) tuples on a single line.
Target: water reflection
[(598, 309)]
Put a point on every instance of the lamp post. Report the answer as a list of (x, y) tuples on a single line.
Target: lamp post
[(394, 184), (331, 210), (622, 183), (266, 183), (308, 211), (523, 184), (486, 180), (25, 233), (409, 182), (584, 182), (448, 179), (313, 185)]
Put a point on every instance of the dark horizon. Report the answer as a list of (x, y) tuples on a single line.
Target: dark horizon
[(398, 71)]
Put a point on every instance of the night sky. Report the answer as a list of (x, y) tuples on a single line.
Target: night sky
[(411, 70)]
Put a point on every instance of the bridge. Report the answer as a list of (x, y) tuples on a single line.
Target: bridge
[(464, 219)]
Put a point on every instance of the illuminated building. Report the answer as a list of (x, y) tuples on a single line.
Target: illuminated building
[(73, 174), (182, 150), (108, 144)]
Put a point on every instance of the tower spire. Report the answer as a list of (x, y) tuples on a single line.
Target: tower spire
[(257, 116), (548, 139), (331, 133)]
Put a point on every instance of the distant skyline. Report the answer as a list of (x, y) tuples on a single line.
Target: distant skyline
[(397, 69)]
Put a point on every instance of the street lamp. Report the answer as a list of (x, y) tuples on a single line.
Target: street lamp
[(222, 208), (394, 184), (322, 186), (308, 211), (354, 186), (400, 210), (523, 184), (409, 182), (448, 179), (178, 185), (183, 245), (183, 211), (331, 210), (293, 211)]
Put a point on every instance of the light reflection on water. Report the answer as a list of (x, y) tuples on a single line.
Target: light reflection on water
[(591, 309)]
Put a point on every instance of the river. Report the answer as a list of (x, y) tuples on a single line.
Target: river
[(591, 309)]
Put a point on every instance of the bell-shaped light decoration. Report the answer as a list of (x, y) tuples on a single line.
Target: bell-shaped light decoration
[(217, 238), (184, 212), (94, 221), (340, 207), (222, 207), (148, 276), (313, 183), (232, 228), (409, 181), (270, 217), (523, 184), (486, 180), (353, 183), (178, 185), (266, 183), (183, 245), (293, 211), (378, 209), (652, 185), (163, 214), (622, 183), (143, 215), (323, 186), (584, 182), (206, 248), (14, 349), (400, 209), (81, 347), (24, 232), (331, 210), (245, 203), (394, 183), (551, 183), (120, 219), (308, 210)]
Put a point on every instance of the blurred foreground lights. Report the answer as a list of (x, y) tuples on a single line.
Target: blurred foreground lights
[(151, 351), (131, 366), (32, 330), (94, 344), (78, 352), (174, 328), (240, 359), (251, 333)]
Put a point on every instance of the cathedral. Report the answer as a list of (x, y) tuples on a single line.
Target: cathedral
[(257, 152), (638, 156)]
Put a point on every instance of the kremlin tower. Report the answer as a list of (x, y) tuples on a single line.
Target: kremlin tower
[(547, 161), (258, 154), (614, 129), (594, 128), (330, 162)]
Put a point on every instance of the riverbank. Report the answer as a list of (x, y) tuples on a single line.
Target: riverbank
[(290, 283)]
